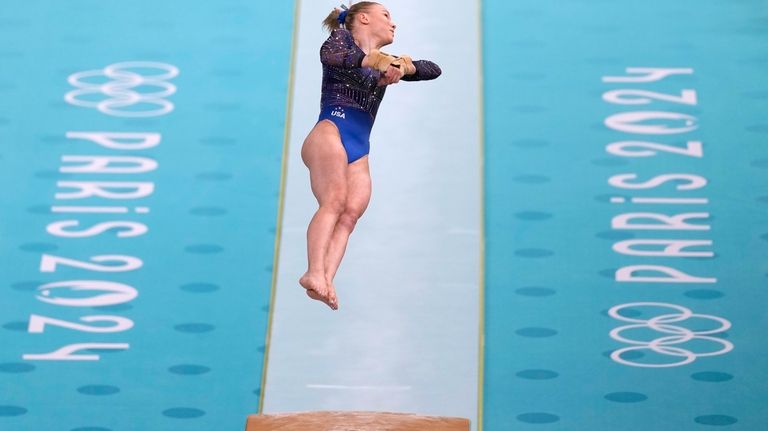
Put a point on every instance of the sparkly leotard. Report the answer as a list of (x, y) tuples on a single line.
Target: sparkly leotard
[(351, 95)]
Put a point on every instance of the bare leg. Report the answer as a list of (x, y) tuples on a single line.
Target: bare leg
[(318, 239), (358, 196), (326, 159)]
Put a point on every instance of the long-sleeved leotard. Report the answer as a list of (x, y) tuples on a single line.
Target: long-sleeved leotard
[(347, 83)]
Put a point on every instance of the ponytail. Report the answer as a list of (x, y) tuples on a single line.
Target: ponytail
[(331, 22)]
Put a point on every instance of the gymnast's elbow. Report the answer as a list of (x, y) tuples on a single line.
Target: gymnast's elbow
[(426, 71), (437, 72)]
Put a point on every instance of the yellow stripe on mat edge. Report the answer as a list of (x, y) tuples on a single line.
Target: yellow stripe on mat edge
[(481, 131), (280, 205)]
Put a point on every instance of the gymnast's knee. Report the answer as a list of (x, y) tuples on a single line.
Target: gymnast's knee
[(349, 218), (335, 205)]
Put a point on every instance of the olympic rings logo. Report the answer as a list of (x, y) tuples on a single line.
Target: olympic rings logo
[(664, 345), (120, 90)]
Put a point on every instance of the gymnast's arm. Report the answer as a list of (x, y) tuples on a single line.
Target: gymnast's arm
[(425, 70), (340, 50)]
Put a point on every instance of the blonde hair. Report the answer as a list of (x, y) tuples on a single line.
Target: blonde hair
[(331, 22)]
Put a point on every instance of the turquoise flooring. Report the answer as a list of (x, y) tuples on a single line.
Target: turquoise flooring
[(551, 267), (186, 326)]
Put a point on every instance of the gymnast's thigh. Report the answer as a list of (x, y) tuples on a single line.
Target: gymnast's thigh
[(326, 159), (358, 187)]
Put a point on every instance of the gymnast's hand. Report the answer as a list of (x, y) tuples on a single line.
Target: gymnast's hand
[(391, 76), (378, 60), (405, 63)]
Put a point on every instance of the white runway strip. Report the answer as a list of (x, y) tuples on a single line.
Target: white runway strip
[(406, 336)]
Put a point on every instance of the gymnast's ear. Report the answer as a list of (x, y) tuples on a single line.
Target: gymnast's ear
[(363, 17)]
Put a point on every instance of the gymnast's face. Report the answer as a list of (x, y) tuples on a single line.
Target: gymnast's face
[(380, 24)]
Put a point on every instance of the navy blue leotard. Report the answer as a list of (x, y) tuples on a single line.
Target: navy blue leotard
[(354, 129), (351, 95)]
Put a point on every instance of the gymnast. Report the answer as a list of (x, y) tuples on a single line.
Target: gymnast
[(355, 76)]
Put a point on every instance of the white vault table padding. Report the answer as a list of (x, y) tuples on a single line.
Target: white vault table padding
[(406, 336)]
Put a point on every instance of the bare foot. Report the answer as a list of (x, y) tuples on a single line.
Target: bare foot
[(332, 299), (317, 290)]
